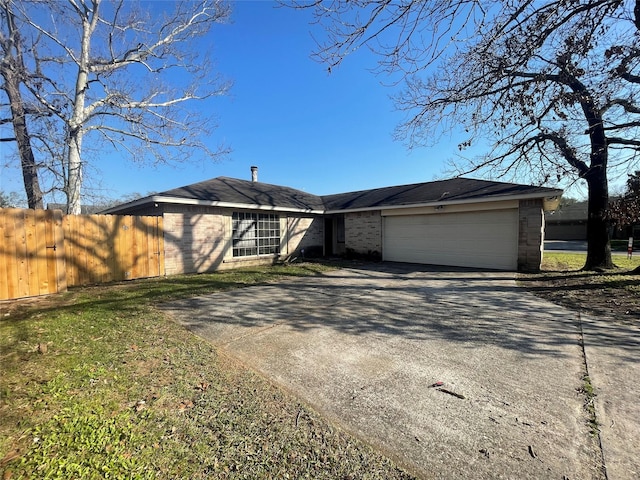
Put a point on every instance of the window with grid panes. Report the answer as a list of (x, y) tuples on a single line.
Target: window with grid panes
[(255, 234)]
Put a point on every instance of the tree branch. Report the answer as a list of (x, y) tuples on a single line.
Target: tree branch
[(624, 103), (623, 141)]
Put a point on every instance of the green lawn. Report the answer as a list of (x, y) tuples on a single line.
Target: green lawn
[(96, 383), (559, 261)]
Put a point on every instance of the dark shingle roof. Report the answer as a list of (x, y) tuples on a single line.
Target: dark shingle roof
[(455, 189), (232, 190), (253, 194)]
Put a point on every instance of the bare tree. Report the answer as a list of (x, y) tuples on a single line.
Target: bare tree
[(115, 69), (10, 200), (554, 84), (14, 73)]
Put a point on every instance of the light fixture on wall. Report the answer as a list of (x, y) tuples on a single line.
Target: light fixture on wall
[(439, 207)]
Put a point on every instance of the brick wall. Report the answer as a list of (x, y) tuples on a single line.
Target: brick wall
[(363, 232), (530, 235), (305, 232), (194, 239), (198, 239)]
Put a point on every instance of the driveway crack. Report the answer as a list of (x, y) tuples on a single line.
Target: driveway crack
[(252, 333), (589, 403)]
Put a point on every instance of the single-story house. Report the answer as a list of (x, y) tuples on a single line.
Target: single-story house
[(227, 222), (567, 222)]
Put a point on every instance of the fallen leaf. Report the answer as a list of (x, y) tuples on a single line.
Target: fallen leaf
[(12, 455)]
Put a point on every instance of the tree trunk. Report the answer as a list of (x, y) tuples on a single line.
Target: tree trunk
[(78, 117), (74, 172), (599, 246), (23, 139), (12, 71)]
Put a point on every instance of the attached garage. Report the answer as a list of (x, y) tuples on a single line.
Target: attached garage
[(459, 222), (482, 239)]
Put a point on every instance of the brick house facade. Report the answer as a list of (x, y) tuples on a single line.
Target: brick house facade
[(225, 223)]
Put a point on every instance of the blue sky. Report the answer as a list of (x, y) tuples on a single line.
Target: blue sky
[(301, 126)]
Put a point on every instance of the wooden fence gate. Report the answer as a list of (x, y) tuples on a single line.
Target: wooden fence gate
[(44, 251)]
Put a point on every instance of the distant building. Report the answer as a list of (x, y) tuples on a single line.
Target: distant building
[(568, 222)]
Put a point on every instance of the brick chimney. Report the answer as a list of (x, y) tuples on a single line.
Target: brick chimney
[(254, 174)]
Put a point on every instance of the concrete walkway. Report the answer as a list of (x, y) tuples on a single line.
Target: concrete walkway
[(613, 358), (365, 347)]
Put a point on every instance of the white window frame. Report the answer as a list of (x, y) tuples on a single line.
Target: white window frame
[(255, 234)]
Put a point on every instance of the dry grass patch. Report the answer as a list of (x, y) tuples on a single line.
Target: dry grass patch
[(614, 294), (96, 383)]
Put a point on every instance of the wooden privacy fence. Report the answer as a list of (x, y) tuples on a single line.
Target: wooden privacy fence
[(44, 251), (30, 263)]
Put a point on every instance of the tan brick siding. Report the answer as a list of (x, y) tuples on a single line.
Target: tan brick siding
[(363, 232), (530, 235), (198, 239), (194, 238), (304, 233)]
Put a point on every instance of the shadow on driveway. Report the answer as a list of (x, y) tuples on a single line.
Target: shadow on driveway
[(365, 346), (458, 306)]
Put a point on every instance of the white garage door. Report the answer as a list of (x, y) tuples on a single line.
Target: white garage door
[(486, 239)]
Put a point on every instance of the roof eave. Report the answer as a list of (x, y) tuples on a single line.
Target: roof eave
[(550, 198), (554, 194), (156, 199)]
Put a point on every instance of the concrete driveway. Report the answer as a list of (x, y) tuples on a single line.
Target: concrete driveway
[(365, 346)]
